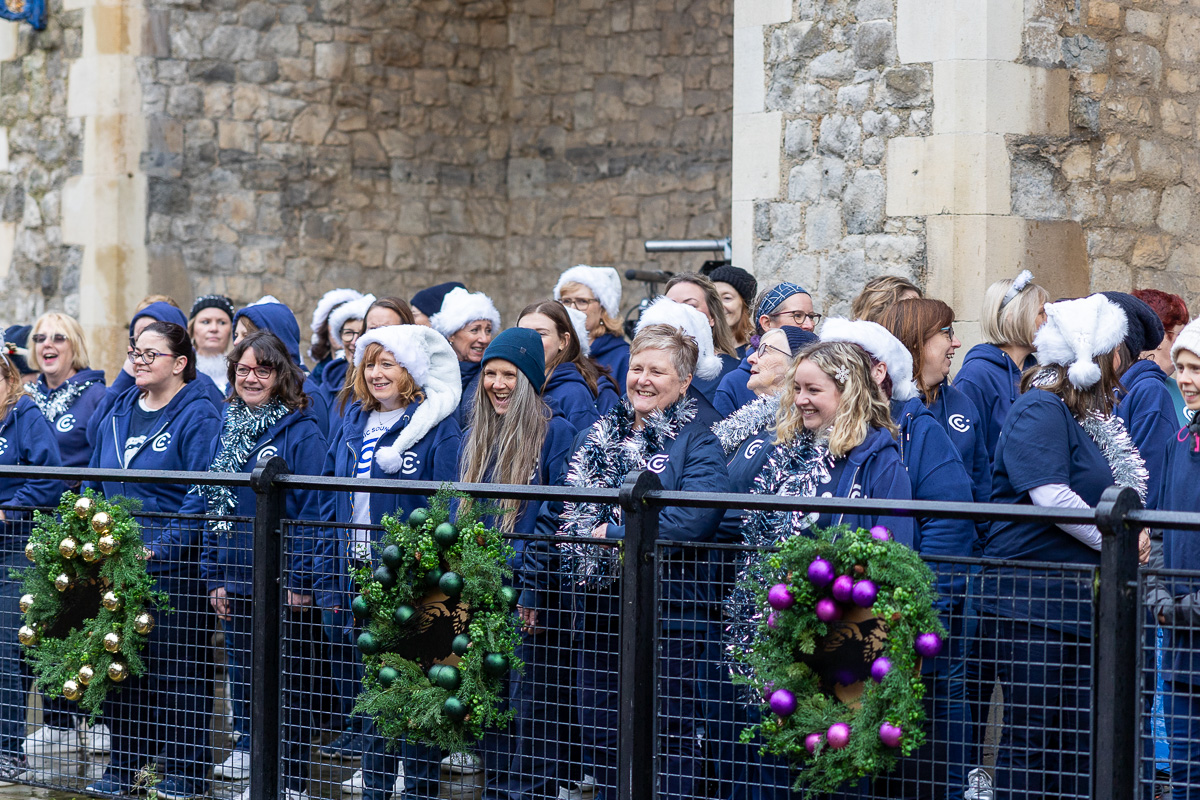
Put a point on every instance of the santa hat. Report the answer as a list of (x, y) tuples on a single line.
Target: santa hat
[(460, 308), (579, 323), (1188, 339), (328, 302), (604, 282), (665, 311), (354, 309), (1076, 331), (879, 342), (433, 365)]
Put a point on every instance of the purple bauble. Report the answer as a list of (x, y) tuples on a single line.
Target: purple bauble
[(820, 572), (928, 645), (827, 610), (880, 667), (782, 702), (811, 741), (771, 622), (890, 734), (780, 597), (881, 533), (838, 735), (864, 593), (843, 588), (768, 689)]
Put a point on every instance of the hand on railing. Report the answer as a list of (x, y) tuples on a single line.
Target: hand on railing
[(600, 531), (219, 603), (529, 620), (1144, 547), (297, 600)]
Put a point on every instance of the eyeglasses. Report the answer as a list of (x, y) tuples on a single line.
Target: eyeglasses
[(798, 317), (260, 372), (948, 330), (58, 338), (763, 347), (147, 356), (350, 336), (578, 303)]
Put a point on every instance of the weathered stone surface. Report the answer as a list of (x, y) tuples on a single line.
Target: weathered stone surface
[(874, 44), (864, 202)]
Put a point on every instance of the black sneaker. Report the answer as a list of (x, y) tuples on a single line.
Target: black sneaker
[(347, 747), (12, 769)]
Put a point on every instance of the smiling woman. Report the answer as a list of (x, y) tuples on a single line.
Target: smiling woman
[(67, 392)]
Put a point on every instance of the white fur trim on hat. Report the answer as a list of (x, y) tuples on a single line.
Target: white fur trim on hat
[(328, 302), (432, 363), (267, 299), (665, 311), (355, 309), (1188, 339), (1076, 331), (579, 323), (880, 343), (460, 308), (604, 282)]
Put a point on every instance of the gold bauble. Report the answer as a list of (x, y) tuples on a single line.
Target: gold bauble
[(102, 522), (68, 547), (71, 689), (110, 601), (26, 602), (117, 671), (62, 582), (27, 636), (107, 544), (112, 641), (29, 552), (86, 673), (143, 623), (89, 552), (83, 507)]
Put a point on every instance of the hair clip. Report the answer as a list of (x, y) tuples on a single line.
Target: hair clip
[(842, 374), (1023, 279)]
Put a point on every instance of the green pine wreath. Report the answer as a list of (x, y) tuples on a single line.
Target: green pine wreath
[(443, 705), (86, 598), (792, 668)]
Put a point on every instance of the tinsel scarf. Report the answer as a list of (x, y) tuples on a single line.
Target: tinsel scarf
[(748, 420), (613, 448), (53, 404), (239, 435)]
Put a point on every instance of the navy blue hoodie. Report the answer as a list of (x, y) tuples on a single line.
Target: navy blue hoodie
[(874, 469), (71, 426), (279, 320), (612, 352), (226, 559), (26, 439), (991, 381), (1181, 551), (1148, 412), (708, 388), (959, 418), (182, 440), (569, 394), (732, 392), (469, 371)]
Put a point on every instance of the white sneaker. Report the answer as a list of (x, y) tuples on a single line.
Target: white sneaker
[(294, 794), (587, 783), (979, 785), (52, 751), (234, 768), (465, 763), (398, 786), (354, 785), (244, 794), (97, 738)]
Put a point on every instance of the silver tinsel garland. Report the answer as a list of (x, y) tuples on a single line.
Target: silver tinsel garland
[(1127, 465), (748, 420), (240, 433), (55, 404), (613, 448)]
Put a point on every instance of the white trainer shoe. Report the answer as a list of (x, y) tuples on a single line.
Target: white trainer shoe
[(97, 738), (234, 768), (354, 785), (52, 751), (466, 763), (979, 785)]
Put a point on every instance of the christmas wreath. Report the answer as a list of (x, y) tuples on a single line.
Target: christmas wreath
[(86, 598), (440, 630), (841, 622)]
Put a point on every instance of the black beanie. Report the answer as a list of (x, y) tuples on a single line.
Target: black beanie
[(1145, 328), (212, 301), (429, 301), (743, 282)]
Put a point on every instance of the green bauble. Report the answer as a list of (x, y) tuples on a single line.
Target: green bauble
[(445, 535), (460, 644), (385, 577), (367, 643), (360, 607), (392, 557), (454, 709), (434, 671), (510, 596), (452, 584), (387, 676), (448, 678), (418, 518), (433, 577), (495, 664), (403, 614)]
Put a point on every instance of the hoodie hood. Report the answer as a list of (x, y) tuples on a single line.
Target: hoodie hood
[(878, 439), (566, 373), (279, 320), (85, 375), (159, 312)]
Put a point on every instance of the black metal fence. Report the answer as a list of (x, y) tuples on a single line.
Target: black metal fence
[(626, 692)]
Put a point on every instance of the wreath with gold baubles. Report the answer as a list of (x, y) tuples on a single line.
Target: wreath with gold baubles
[(832, 652), (87, 599), (439, 626)]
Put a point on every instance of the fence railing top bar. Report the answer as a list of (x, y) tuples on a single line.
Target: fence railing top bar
[(497, 491), (237, 479), (1176, 520)]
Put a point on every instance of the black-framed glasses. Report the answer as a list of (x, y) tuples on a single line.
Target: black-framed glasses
[(578, 303), (349, 336), (798, 317), (763, 347), (58, 338), (147, 356), (948, 330), (262, 372)]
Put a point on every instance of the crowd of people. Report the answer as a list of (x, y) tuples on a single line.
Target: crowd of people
[(724, 387)]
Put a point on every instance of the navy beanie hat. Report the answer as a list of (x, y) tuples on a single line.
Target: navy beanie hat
[(159, 312), (742, 282), (522, 348), (16, 347), (1145, 328), (429, 301), (798, 338)]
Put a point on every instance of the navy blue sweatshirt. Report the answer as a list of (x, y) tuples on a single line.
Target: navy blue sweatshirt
[(959, 418), (1181, 551), (1148, 412), (26, 439), (70, 426), (732, 392), (469, 372), (991, 381), (612, 352), (708, 388), (569, 394)]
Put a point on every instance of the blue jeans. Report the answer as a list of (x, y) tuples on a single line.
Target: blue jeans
[(345, 664), (14, 673), (1182, 704), (237, 660), (422, 765)]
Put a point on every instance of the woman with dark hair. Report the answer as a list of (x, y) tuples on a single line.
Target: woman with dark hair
[(210, 324), (575, 387), (596, 293), (695, 290), (1173, 313), (737, 290), (165, 422), (324, 346), (468, 320)]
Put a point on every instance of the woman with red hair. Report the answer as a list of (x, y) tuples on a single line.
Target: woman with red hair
[(1173, 312)]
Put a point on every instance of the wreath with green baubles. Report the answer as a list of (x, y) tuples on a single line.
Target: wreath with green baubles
[(86, 598), (842, 621), (439, 626)]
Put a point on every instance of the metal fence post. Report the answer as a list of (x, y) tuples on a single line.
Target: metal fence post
[(265, 688), (637, 719), (1116, 715)]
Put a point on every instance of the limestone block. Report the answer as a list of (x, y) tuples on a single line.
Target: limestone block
[(95, 85), (1000, 97), (1183, 37), (3, 149), (756, 149), (9, 41), (756, 13), (742, 231), (749, 71), (8, 238), (948, 174), (943, 30)]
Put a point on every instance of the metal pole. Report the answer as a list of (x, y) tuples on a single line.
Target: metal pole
[(636, 779), (265, 722), (1116, 723)]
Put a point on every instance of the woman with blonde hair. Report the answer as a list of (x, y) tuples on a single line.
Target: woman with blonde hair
[(68, 391), (881, 293)]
